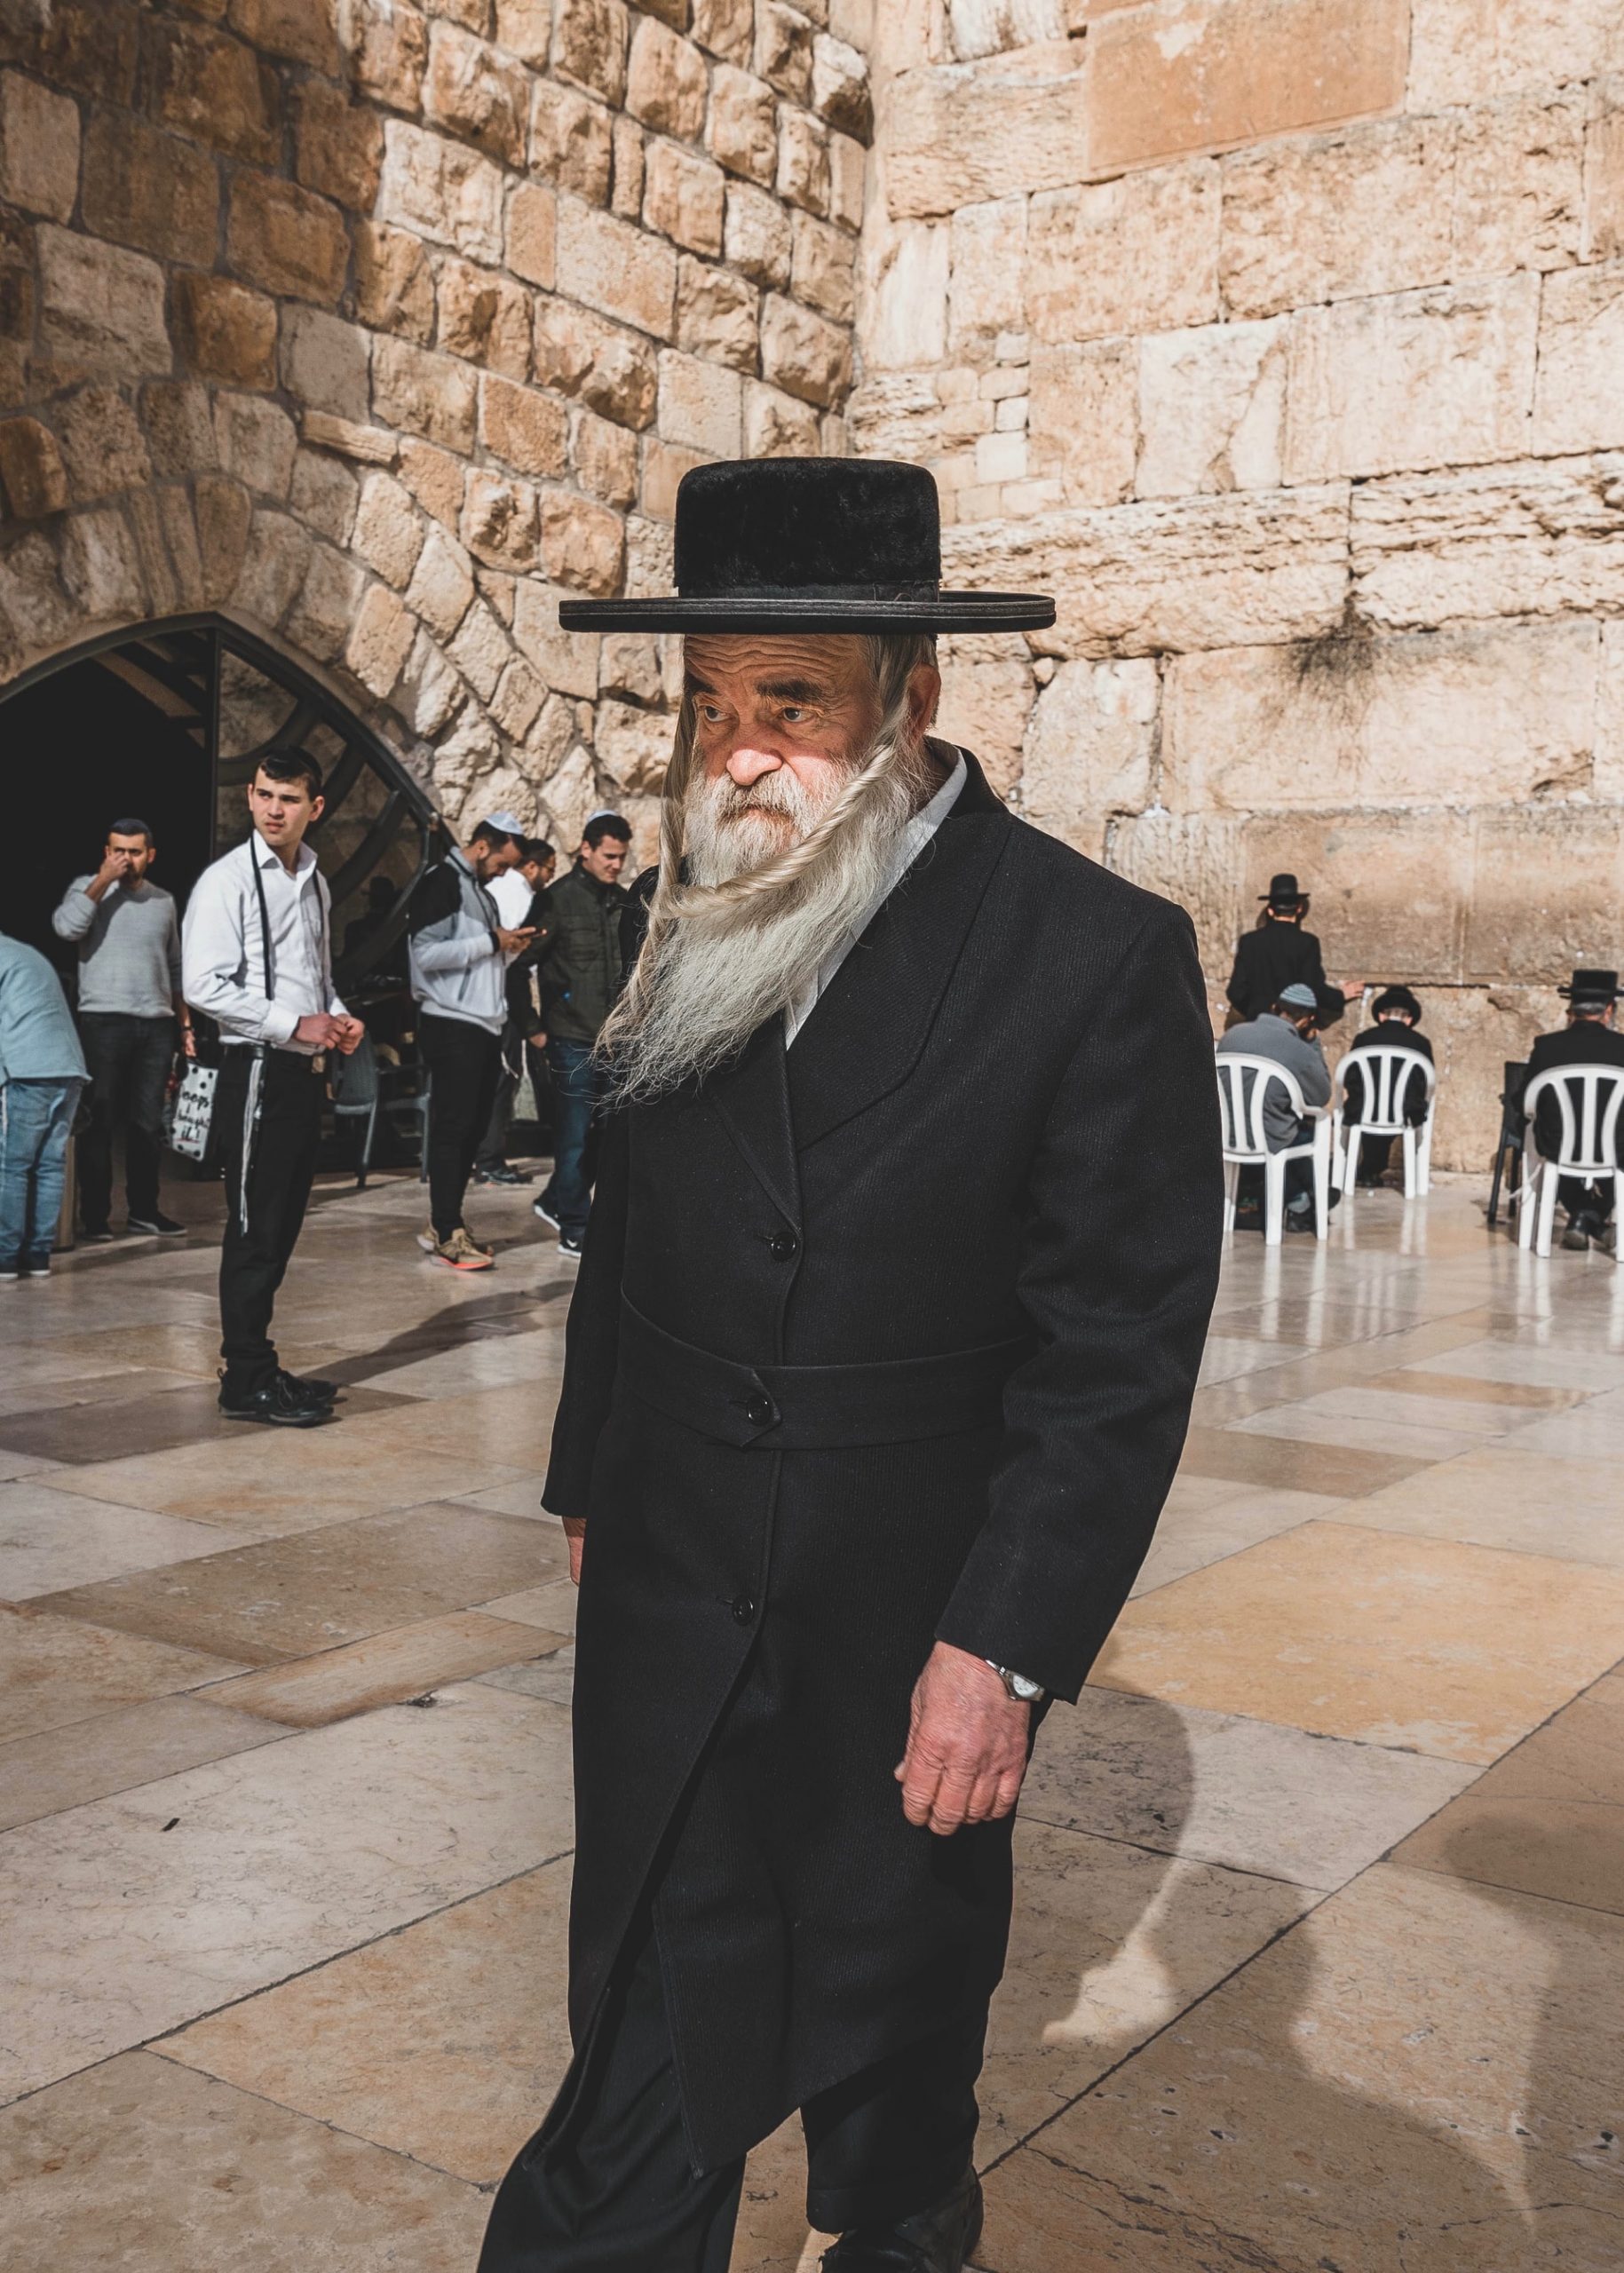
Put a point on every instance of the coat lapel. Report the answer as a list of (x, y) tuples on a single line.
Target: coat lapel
[(868, 1029), (752, 1101)]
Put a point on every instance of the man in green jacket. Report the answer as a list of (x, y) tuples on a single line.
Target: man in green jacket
[(580, 977)]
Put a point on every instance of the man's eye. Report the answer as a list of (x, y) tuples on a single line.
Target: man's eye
[(792, 714)]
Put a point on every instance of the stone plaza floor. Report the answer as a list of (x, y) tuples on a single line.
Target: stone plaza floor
[(1320, 1940)]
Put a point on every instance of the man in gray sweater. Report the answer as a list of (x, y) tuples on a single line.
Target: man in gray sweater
[(1287, 1033), (129, 1001)]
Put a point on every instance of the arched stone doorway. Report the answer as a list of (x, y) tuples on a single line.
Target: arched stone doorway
[(168, 722)]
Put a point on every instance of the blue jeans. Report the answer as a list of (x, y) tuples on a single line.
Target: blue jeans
[(35, 1121), (577, 1084)]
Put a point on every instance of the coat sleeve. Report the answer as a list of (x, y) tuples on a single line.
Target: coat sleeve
[(1118, 1276), (592, 1336), (1238, 991)]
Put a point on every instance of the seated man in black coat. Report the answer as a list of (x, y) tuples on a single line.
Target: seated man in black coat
[(1589, 1038), (1397, 1025), (899, 1265)]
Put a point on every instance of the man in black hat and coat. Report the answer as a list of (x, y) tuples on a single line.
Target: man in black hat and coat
[(877, 1373), (1279, 954), (1589, 1038), (1396, 1012)]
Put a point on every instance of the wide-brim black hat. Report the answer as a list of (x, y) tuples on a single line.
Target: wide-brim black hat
[(1283, 891), (1396, 998), (809, 545), (1594, 987)]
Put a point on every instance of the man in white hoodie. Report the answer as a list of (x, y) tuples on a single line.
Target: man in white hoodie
[(460, 949)]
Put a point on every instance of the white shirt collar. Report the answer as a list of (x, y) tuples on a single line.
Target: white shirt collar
[(268, 857)]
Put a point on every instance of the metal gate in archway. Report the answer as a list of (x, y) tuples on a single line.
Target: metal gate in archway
[(223, 699)]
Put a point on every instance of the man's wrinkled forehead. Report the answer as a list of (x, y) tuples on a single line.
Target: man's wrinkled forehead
[(786, 666)]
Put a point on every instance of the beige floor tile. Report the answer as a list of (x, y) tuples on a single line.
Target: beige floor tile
[(15, 1464), (1319, 1421), (1414, 1642), (1503, 1496), (445, 2042), (511, 1426), (388, 1668), (520, 1494), (1229, 1355), (552, 1678), (154, 1413), (1421, 2076), (1548, 1818), (283, 1480), (142, 2166), (1590, 1368), (553, 1606), (1421, 1382), (53, 1539), (1219, 1788), (1341, 1471), (1593, 1431), (115, 1927), (534, 1360), (57, 1670), (112, 1752), (180, 1348), (312, 1590), (1189, 1542)]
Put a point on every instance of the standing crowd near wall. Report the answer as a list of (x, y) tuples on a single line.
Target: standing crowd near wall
[(1283, 338)]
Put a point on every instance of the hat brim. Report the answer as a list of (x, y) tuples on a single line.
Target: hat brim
[(784, 611)]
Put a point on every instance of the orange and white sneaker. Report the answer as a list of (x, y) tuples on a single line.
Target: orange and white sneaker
[(462, 1253)]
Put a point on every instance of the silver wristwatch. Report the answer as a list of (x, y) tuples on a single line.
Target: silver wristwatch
[(1024, 1691)]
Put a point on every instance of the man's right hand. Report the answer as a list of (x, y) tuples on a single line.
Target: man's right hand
[(114, 870), (319, 1031), (574, 1532), (513, 943)]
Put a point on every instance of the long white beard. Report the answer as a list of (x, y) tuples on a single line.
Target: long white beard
[(722, 972)]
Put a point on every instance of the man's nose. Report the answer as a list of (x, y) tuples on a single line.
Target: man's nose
[(746, 763)]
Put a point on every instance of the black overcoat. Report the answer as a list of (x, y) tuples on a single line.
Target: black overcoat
[(982, 1194)]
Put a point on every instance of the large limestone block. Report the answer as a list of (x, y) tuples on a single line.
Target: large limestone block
[(1475, 1032), (1170, 576), (988, 27), (756, 236), (571, 142), (102, 445), (1194, 859), (1536, 537), (666, 82), (822, 268), (339, 146), (802, 354), (716, 314), (225, 331), (897, 415), (474, 90), (1547, 888), (621, 271), (958, 134), (100, 308), (1519, 184), (1083, 418), (1390, 891), (1578, 392), (389, 46), (700, 406), (1090, 749), (589, 45), (39, 147), (1209, 74), (1212, 408), (1418, 379), (683, 197), (988, 254), (394, 284), (905, 313), (987, 690), (101, 568), (1463, 51), (1474, 714), (741, 134), (432, 395), (324, 362), (1338, 217), (1137, 255), (33, 477), (285, 240), (441, 190), (612, 371), (214, 89), (1608, 780), (1603, 234)]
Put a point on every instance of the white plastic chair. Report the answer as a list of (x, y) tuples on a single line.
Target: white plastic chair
[(1240, 1106), (1384, 1071), (1589, 1099)]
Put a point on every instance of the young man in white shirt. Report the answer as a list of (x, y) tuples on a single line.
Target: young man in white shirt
[(257, 957)]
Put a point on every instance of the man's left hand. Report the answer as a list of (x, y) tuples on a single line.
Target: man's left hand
[(350, 1032), (966, 1744)]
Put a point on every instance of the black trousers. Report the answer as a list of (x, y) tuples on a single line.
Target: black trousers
[(254, 1261), (463, 1063), (129, 1059), (607, 2184)]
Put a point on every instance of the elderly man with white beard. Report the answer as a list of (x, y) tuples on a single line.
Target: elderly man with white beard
[(877, 1373)]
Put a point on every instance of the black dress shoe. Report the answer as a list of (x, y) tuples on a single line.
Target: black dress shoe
[(938, 2240), (275, 1404), (309, 1392)]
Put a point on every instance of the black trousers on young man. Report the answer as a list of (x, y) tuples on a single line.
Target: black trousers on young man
[(282, 1164), (128, 1060), (463, 1061), (607, 2184)]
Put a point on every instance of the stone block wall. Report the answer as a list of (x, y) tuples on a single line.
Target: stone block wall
[(1285, 340), (380, 326)]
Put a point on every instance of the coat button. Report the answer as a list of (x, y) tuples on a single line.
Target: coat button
[(743, 1609), (783, 1246), (759, 1412)]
